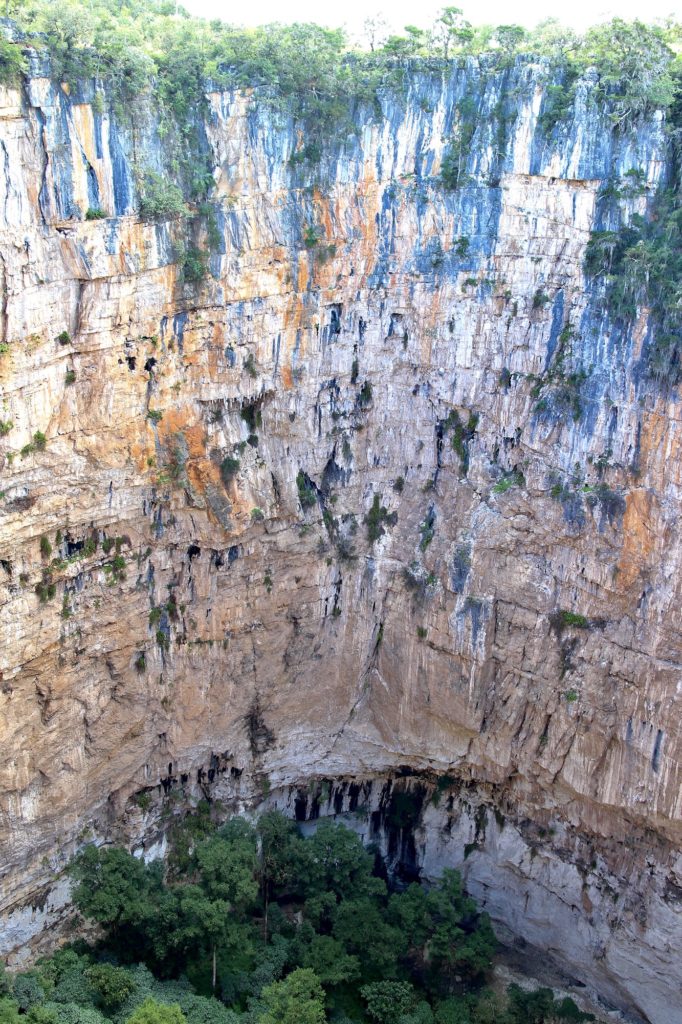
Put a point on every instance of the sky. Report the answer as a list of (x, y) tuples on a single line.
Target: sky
[(352, 13)]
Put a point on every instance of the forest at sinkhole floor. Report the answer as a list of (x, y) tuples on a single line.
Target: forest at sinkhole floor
[(255, 924)]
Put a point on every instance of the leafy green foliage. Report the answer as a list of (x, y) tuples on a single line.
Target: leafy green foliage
[(286, 929), (12, 62), (160, 199), (28, 991), (563, 619), (229, 467), (194, 264), (306, 492), (387, 1000), (9, 1011), (152, 1012), (375, 519), (513, 479), (298, 999), (641, 266), (462, 434)]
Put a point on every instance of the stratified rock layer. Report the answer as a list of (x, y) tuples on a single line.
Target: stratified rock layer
[(365, 341)]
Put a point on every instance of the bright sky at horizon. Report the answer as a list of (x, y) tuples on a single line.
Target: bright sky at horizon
[(579, 14)]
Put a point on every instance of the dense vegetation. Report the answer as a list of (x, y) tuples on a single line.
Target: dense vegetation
[(257, 925), (638, 263), (135, 47), (146, 54)]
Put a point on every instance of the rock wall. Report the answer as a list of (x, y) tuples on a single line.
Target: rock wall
[(371, 356)]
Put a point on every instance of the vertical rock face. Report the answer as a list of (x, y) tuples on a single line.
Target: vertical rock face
[(384, 492)]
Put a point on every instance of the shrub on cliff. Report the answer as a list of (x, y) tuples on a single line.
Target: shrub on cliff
[(160, 199), (640, 266), (12, 62)]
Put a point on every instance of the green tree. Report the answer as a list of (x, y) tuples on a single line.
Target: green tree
[(127, 897), (635, 66), (112, 985), (388, 1000), (9, 1011), (28, 990), (112, 886), (298, 999), (280, 853), (209, 913), (414, 42), (509, 38), (451, 30), (5, 981), (228, 865), (359, 925), (330, 962), (153, 1012), (334, 860), (409, 912), (462, 941), (160, 199), (44, 1013), (202, 924), (12, 62)]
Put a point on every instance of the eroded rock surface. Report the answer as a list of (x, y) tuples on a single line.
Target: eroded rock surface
[(379, 358)]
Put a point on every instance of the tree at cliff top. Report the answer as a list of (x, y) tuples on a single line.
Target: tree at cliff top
[(309, 71)]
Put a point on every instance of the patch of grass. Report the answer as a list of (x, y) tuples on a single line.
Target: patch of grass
[(143, 800), (515, 478), (563, 619)]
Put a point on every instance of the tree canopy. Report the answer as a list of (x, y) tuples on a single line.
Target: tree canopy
[(185, 942)]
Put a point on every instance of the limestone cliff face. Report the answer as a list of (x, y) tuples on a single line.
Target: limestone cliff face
[(228, 628)]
